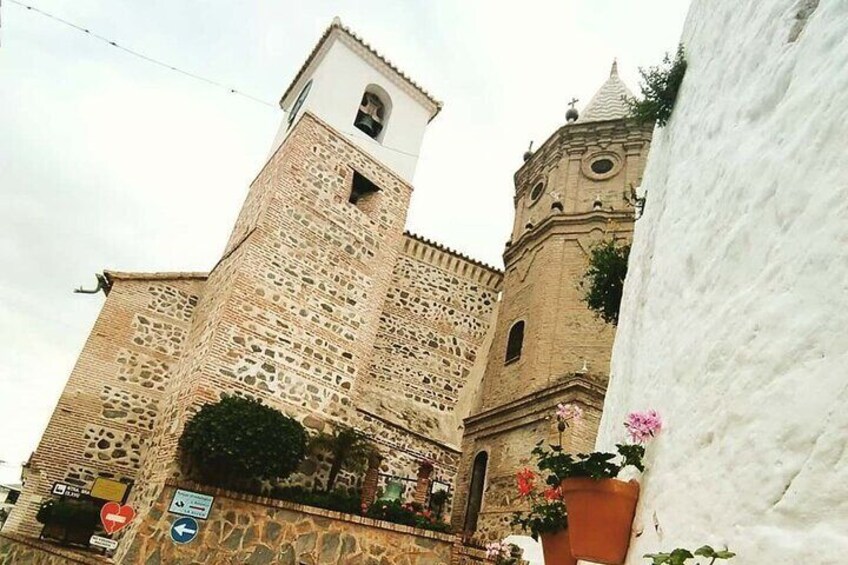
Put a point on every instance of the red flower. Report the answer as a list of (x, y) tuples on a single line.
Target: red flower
[(552, 494), (526, 481)]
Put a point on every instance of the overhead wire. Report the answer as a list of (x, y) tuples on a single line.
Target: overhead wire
[(168, 66)]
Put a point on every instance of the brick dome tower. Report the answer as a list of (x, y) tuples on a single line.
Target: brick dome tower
[(548, 346)]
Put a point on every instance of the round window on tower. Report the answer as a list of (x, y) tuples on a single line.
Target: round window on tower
[(602, 165), (536, 192)]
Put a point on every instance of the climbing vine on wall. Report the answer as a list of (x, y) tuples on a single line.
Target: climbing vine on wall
[(603, 281)]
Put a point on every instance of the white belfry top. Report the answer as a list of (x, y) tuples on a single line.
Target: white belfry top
[(608, 102)]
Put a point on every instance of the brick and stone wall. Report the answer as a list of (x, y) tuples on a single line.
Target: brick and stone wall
[(290, 312), (562, 208), (249, 529), (106, 413), (508, 433), (432, 332)]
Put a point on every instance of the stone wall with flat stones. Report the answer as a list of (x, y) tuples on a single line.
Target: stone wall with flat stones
[(105, 415), (432, 330), (256, 530), (432, 326), (20, 550), (290, 313)]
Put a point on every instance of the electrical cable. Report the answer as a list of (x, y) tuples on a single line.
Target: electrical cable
[(189, 74)]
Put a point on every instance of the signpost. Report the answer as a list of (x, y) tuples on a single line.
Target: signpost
[(108, 489), (184, 530), (105, 543), (194, 504), (115, 517), (71, 491)]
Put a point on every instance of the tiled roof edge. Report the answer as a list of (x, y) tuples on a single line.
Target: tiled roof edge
[(337, 24), (453, 252)]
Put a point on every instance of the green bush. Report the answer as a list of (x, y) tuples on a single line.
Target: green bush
[(238, 440), (406, 514), (340, 500), (659, 87), (603, 282), (65, 512)]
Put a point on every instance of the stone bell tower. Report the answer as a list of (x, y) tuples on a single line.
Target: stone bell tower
[(548, 347), (290, 312)]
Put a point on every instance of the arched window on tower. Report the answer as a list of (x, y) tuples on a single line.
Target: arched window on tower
[(475, 491), (515, 341), (373, 114)]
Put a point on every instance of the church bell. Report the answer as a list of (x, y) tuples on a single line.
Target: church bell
[(369, 118)]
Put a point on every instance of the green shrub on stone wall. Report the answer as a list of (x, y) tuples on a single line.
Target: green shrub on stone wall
[(341, 500), (239, 440), (603, 282), (406, 514), (660, 86)]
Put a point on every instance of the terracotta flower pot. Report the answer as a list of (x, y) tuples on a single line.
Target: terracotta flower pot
[(557, 548), (600, 517)]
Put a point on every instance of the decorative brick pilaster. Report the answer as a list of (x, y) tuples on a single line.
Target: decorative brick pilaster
[(369, 483), (422, 487)]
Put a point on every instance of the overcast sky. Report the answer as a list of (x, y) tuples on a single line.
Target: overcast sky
[(107, 161)]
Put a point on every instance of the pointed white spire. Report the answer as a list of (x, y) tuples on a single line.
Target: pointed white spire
[(608, 103)]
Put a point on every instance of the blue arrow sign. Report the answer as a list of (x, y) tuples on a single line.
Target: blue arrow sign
[(184, 530)]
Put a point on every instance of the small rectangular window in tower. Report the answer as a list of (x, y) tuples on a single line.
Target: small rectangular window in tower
[(363, 193)]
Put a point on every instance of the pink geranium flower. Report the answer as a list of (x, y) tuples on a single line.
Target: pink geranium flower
[(643, 426), (498, 550), (566, 412)]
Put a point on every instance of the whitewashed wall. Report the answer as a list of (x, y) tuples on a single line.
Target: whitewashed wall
[(735, 315), (339, 78)]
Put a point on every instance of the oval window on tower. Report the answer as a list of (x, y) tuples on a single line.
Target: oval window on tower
[(602, 166), (537, 191)]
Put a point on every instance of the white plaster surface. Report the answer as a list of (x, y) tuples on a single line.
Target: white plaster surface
[(735, 315), (339, 78)]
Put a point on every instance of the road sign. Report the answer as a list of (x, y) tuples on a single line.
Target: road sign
[(184, 529), (115, 517), (107, 489), (194, 504), (105, 543), (70, 491)]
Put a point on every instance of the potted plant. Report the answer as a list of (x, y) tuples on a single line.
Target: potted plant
[(600, 506), (503, 553), (547, 519)]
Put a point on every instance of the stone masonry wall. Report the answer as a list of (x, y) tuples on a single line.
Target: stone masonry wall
[(432, 330), (434, 320), (291, 310), (507, 434), (21, 550), (256, 530), (104, 418)]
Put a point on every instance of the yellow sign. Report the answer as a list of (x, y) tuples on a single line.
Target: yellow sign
[(107, 489)]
